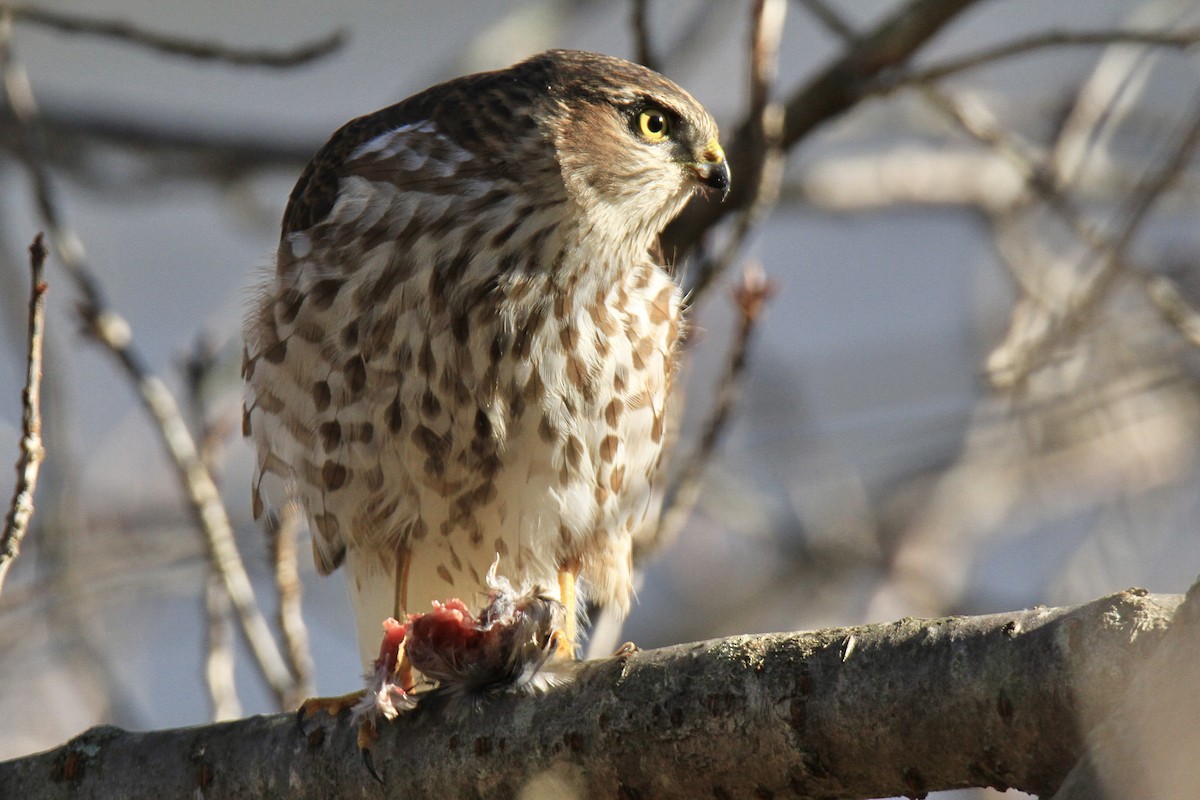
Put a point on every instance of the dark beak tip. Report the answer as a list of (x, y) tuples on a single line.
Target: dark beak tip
[(719, 180), (716, 176)]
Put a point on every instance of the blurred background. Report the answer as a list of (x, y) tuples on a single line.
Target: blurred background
[(973, 388)]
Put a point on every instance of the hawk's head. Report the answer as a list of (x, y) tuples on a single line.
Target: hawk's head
[(614, 148), (631, 145)]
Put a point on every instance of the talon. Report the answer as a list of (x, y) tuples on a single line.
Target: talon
[(368, 734), (627, 649), (369, 763), (333, 706)]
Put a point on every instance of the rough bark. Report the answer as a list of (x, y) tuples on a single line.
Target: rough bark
[(1147, 746), (873, 711)]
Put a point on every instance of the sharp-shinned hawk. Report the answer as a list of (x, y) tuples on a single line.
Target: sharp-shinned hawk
[(465, 350)]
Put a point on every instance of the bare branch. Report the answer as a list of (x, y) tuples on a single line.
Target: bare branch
[(282, 529), (111, 330), (836, 89), (639, 20), (828, 16), (212, 432), (681, 497), (1024, 46), (767, 129), (1174, 308), (1011, 363), (767, 19), (842, 84), (1110, 254), (998, 700), (1147, 195), (20, 511), (978, 124), (1146, 746), (219, 659), (172, 150), (176, 45)]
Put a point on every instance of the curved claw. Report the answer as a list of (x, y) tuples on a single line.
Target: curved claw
[(369, 763), (627, 649), (368, 734)]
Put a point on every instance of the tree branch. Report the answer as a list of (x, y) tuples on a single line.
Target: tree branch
[(1147, 746), (879, 710), (109, 328), (1016, 359), (219, 663), (765, 124), (835, 90), (1177, 39), (639, 13), (830, 19), (682, 493), (282, 528), (176, 45), (20, 510)]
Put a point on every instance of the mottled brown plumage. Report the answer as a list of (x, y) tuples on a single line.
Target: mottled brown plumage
[(465, 350)]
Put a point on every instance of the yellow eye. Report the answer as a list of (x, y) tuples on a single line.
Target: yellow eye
[(652, 124)]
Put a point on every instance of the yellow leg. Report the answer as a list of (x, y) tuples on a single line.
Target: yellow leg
[(567, 576)]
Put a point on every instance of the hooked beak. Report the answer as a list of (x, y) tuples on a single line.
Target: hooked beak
[(712, 169)]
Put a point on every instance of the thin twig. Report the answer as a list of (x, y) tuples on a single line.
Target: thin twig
[(1039, 182), (179, 149), (1151, 190), (111, 330), (639, 20), (1033, 167), (832, 92), (176, 45), (693, 34), (1110, 251), (767, 129), (282, 529), (1173, 307), (750, 298), (1024, 46), (1097, 109), (765, 31), (20, 511), (219, 660), (833, 21), (213, 434), (1093, 118)]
